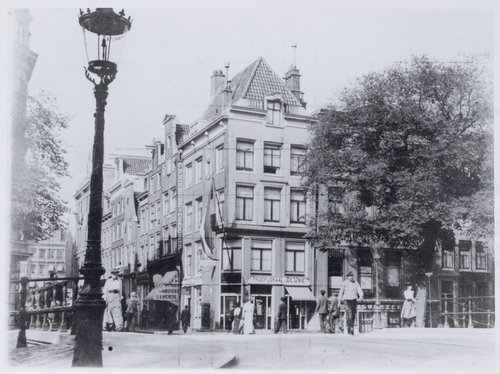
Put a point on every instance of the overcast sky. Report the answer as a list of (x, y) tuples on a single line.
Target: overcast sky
[(171, 52)]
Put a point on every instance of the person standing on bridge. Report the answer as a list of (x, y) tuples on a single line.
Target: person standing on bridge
[(349, 295)]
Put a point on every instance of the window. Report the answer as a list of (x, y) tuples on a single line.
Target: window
[(274, 112), (169, 166), (220, 196), (41, 268), (59, 254), (335, 271), (393, 276), (272, 198), (297, 206), (41, 253), (480, 256), (159, 246), (208, 169), (335, 197), (199, 256), (464, 250), (219, 162), (294, 257), (198, 212), (244, 203), (152, 247), (297, 157), (365, 266), (189, 217), (261, 256), (173, 200), (189, 259), (448, 253), (158, 213), (151, 184), (244, 155), (129, 231), (166, 203), (189, 175), (51, 253), (272, 158), (231, 256), (152, 217), (32, 268), (143, 221), (158, 182), (198, 167)]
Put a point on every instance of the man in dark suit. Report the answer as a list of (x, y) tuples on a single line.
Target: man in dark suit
[(282, 317), (322, 310)]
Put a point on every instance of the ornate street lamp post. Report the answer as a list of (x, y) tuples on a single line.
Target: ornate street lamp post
[(428, 275), (108, 27)]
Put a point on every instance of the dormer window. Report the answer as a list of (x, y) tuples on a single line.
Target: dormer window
[(274, 112)]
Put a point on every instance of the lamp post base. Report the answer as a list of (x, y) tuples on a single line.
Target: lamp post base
[(88, 339)]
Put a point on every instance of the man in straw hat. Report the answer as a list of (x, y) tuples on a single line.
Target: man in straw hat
[(113, 295)]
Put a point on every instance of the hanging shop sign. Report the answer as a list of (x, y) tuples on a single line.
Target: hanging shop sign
[(279, 280)]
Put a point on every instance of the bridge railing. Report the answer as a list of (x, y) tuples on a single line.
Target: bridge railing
[(44, 304), (465, 312)]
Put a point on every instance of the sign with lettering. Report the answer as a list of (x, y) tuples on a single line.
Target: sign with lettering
[(280, 280), (168, 292)]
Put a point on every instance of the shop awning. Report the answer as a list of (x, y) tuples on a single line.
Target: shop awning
[(300, 293), (170, 277)]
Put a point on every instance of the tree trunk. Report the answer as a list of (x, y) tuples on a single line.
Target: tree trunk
[(421, 306)]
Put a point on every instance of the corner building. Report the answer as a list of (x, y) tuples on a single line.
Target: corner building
[(247, 149)]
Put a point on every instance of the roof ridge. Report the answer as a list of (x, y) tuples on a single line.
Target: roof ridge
[(250, 79)]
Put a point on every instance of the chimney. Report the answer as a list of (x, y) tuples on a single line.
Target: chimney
[(292, 81), (217, 81)]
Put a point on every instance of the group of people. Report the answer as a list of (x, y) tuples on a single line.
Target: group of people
[(243, 317)]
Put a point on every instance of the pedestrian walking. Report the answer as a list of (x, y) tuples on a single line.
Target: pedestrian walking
[(409, 310), (322, 310), (144, 320), (131, 310), (170, 319), (185, 318), (248, 311), (333, 312), (113, 295), (236, 318), (282, 317), (349, 295)]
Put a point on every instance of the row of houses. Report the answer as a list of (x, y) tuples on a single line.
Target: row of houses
[(218, 214)]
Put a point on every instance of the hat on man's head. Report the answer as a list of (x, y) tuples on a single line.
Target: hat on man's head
[(350, 274), (115, 270)]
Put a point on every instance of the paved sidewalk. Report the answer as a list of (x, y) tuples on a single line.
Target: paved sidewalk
[(129, 350)]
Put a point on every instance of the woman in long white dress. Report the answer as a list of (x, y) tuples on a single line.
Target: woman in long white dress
[(408, 311), (248, 310)]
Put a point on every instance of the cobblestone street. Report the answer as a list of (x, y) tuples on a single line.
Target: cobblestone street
[(396, 350)]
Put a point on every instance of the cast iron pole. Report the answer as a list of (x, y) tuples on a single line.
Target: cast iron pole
[(90, 305)]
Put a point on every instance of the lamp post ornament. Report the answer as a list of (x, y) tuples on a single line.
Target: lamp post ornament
[(106, 25)]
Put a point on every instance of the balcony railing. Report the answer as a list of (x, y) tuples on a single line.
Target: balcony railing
[(48, 307), (461, 312)]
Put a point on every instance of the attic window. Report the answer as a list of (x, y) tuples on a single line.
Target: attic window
[(274, 112)]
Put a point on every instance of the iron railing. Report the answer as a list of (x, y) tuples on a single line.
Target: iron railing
[(47, 305), (464, 312)]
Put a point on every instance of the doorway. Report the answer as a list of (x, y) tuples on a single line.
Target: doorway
[(262, 312)]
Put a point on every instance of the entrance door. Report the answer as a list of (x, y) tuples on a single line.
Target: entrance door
[(447, 305), (262, 311), (296, 314), (228, 303)]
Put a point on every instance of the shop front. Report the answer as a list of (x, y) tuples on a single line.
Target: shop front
[(164, 300), (267, 291)]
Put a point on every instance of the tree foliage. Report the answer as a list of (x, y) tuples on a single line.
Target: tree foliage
[(414, 142), (36, 208)]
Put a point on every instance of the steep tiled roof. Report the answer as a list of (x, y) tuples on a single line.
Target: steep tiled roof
[(255, 82), (136, 165)]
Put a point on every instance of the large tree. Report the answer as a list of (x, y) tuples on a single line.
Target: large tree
[(36, 206), (414, 142)]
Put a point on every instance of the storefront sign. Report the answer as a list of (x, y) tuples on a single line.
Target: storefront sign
[(168, 292), (280, 280)]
